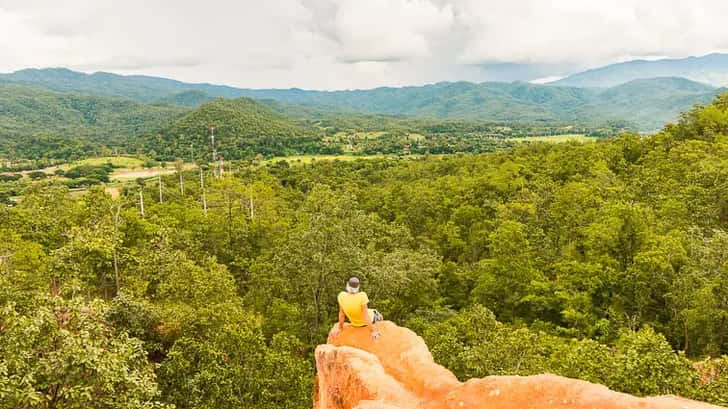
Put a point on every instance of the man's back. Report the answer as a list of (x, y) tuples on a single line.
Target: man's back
[(351, 304)]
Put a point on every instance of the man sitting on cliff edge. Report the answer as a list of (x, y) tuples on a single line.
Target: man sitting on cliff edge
[(353, 305)]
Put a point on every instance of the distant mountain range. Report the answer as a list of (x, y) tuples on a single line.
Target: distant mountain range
[(135, 87), (710, 69), (644, 104)]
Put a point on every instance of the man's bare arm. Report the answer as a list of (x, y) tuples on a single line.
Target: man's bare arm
[(374, 333), (365, 314), (339, 326)]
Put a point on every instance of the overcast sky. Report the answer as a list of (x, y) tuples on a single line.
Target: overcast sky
[(343, 44)]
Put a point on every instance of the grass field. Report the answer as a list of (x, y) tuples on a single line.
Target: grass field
[(128, 162), (557, 138), (126, 168), (122, 162), (127, 174)]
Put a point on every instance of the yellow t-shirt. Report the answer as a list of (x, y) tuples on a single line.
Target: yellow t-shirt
[(351, 304)]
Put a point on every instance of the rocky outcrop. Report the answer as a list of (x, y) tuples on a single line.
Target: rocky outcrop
[(397, 371)]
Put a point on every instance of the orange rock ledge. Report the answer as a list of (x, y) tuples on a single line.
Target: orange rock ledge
[(398, 372)]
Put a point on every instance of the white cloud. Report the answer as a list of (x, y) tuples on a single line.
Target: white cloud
[(388, 30), (352, 43), (590, 32), (546, 80), (21, 45)]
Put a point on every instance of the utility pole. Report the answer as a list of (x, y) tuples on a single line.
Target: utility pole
[(141, 201), (179, 165), (222, 165), (159, 180), (252, 206), (212, 143), (215, 171), (202, 187)]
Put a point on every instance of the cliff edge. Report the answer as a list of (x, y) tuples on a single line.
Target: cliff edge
[(397, 371)]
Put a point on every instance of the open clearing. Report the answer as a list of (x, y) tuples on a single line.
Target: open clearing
[(127, 174), (131, 174), (126, 168), (118, 161)]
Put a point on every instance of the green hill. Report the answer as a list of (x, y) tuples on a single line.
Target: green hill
[(36, 123), (662, 87), (650, 103), (242, 127)]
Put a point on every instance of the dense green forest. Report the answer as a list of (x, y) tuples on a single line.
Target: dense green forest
[(603, 261)]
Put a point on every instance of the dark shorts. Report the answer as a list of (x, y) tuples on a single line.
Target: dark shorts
[(377, 317)]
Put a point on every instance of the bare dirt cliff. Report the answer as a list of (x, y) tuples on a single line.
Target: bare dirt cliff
[(398, 371)]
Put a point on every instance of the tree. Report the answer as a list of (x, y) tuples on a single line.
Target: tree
[(37, 175), (45, 214), (89, 259), (402, 281), (473, 344), (714, 381), (645, 364), (64, 355), (698, 298), (23, 271), (506, 277), (232, 366)]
